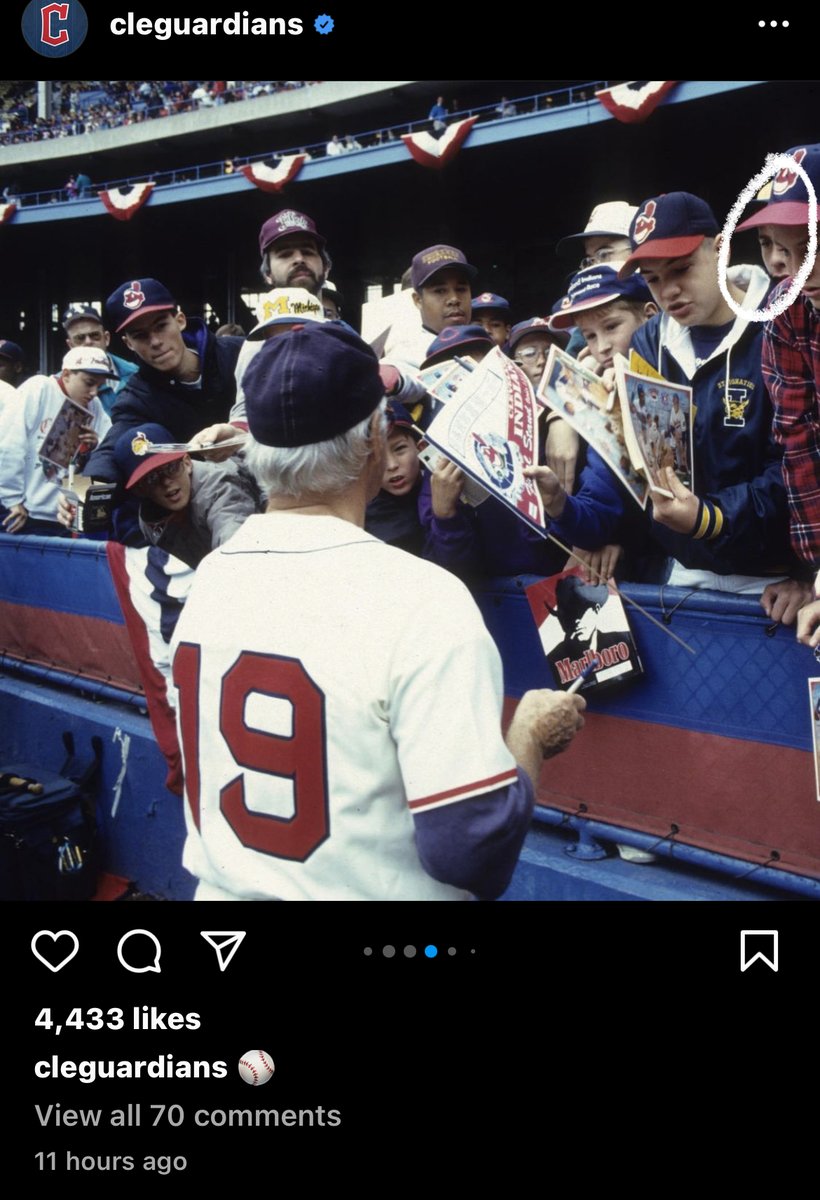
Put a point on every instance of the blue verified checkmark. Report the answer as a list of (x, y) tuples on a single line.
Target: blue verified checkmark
[(323, 24)]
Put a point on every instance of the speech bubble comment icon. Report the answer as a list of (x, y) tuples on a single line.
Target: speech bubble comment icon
[(142, 956)]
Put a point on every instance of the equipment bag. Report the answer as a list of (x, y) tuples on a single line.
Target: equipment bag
[(48, 828)]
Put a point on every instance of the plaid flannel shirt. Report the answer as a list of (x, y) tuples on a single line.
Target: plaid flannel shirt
[(791, 368)]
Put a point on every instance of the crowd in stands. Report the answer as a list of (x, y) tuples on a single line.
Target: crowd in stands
[(99, 105), (109, 104)]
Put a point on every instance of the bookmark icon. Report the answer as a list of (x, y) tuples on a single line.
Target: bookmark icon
[(750, 953)]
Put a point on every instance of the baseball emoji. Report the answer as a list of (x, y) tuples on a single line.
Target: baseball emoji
[(256, 1067)]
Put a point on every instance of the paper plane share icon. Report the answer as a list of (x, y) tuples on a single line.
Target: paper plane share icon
[(225, 942)]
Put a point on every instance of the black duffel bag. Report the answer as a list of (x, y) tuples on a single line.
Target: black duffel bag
[(48, 828)]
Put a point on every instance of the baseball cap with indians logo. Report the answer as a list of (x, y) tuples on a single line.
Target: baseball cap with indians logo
[(134, 299), (668, 226), (787, 197)]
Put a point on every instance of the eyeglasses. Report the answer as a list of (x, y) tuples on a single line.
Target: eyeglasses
[(604, 255), (168, 471), (524, 357)]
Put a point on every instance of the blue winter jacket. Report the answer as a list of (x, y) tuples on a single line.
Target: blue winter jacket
[(743, 525)]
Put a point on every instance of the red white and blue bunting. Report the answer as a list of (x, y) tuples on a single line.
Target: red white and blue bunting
[(634, 102), (123, 205), (437, 152), (273, 179)]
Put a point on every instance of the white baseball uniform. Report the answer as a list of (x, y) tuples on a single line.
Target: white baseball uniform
[(333, 692)]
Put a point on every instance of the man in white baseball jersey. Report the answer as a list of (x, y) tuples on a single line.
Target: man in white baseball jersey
[(333, 748)]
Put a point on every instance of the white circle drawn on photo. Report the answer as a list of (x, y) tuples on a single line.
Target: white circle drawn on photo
[(774, 163)]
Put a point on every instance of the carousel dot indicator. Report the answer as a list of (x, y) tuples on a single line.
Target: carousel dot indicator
[(388, 951), (431, 951), (409, 951)]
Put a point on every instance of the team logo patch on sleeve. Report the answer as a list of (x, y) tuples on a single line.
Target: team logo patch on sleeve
[(644, 223), (134, 296)]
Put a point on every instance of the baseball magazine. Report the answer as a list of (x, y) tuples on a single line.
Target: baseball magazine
[(657, 421), (60, 444), (488, 427), (580, 397), (582, 625)]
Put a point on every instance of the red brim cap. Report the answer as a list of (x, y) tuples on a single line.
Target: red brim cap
[(147, 308), (661, 248), (151, 463), (782, 212), (565, 319)]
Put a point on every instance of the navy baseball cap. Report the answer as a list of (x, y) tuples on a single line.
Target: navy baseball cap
[(134, 299), (593, 287), (437, 258), (457, 339), (310, 385), (285, 222), (11, 350), (787, 198), (80, 312), (397, 416), (536, 325), (133, 464), (490, 300), (669, 226)]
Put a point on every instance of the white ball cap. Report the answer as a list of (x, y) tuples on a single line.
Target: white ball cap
[(286, 306), (612, 219), (91, 360)]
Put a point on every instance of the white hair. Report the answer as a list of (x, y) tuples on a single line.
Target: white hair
[(320, 468)]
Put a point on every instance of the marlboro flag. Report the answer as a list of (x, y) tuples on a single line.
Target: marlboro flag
[(436, 153), (488, 427), (7, 211), (123, 204), (273, 179), (634, 102)]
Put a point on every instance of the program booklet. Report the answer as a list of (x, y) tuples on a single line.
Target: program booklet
[(657, 421), (488, 428), (583, 625), (66, 434), (580, 397)]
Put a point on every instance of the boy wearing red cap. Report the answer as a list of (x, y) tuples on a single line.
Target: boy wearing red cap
[(791, 361), (730, 531)]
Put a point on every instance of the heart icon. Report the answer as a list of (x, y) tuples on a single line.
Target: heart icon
[(55, 937)]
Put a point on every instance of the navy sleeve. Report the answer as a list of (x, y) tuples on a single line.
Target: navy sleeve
[(475, 844), (591, 518)]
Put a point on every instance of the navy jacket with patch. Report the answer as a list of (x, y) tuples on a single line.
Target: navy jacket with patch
[(737, 464)]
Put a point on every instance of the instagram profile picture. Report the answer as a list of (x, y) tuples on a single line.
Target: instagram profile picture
[(53, 28)]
